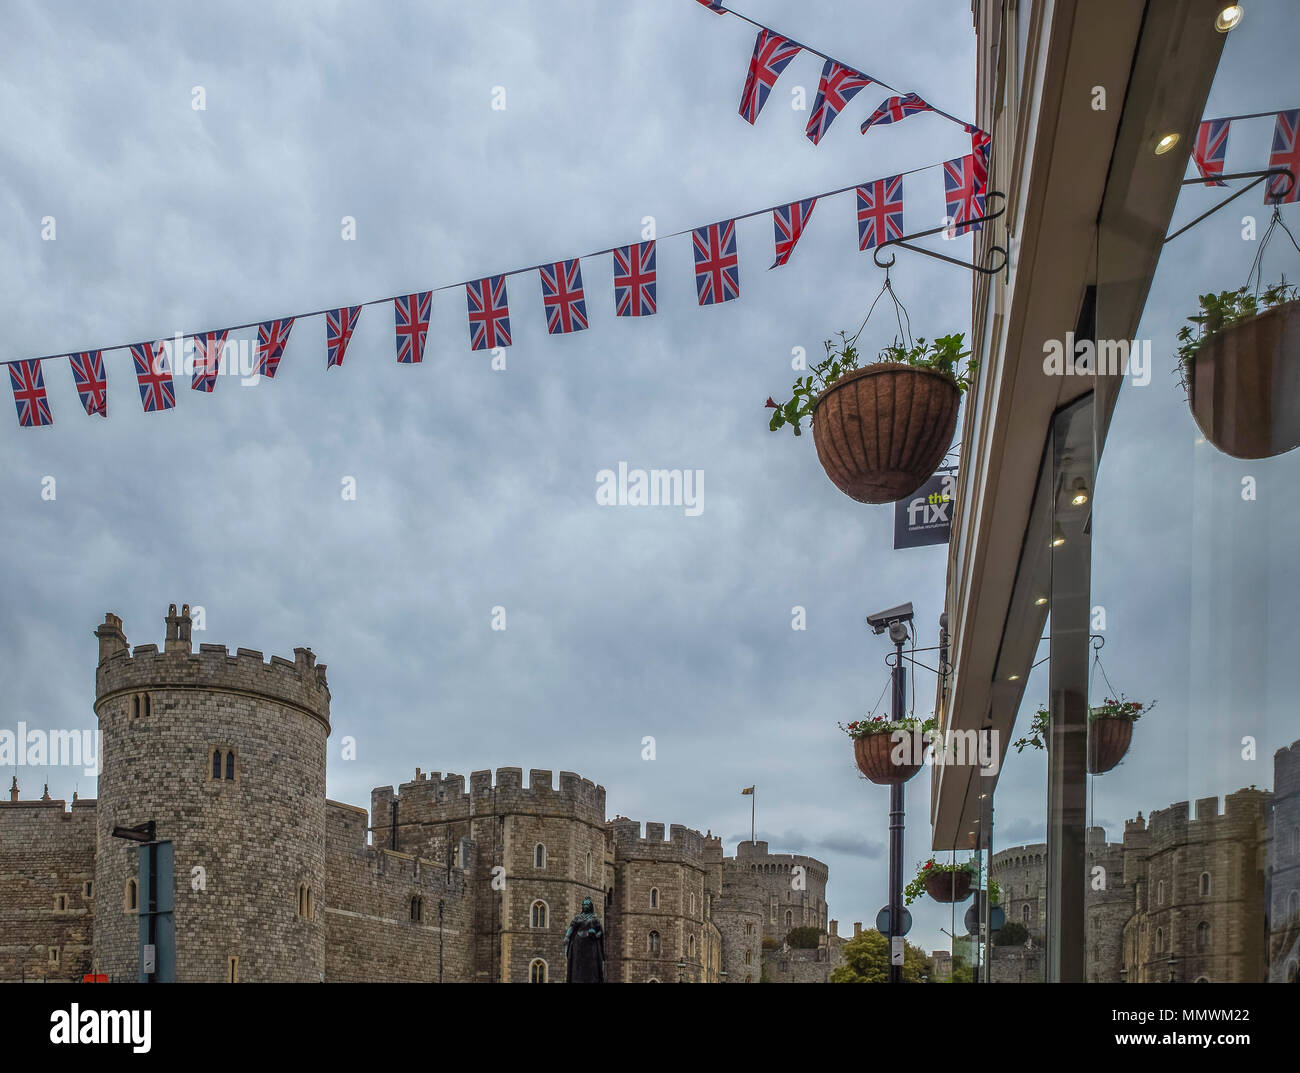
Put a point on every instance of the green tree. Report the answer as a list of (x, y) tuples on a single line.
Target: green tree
[(866, 961), (1013, 933), (806, 938)]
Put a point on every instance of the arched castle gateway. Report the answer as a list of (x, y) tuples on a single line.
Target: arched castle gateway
[(441, 881)]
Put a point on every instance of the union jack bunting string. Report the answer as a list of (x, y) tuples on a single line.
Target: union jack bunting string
[(29, 393), (838, 86), (207, 360), (717, 268), (635, 280), (1286, 154), (339, 326), (1211, 149), (489, 313), (272, 335), (772, 53), (892, 109), (92, 384), (153, 373), (562, 297), (788, 221), (412, 313), (963, 195), (880, 212)]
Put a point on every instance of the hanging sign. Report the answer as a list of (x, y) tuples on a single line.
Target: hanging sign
[(925, 517)]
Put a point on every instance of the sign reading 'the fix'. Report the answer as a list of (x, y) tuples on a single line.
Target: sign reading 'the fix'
[(925, 517)]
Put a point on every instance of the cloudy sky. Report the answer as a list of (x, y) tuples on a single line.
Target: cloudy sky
[(476, 488)]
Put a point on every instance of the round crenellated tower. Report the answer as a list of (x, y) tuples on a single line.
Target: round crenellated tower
[(226, 754)]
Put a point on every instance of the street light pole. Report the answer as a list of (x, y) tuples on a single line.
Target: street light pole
[(897, 634)]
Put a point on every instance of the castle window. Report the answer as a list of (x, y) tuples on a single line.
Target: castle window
[(654, 897), (54, 955), (1160, 940), (131, 896), (748, 978), (609, 897), (306, 905), (588, 865), (1024, 913), (216, 763), (135, 707), (539, 856), (148, 706), (539, 914), (652, 979), (1203, 935), (690, 946), (654, 944), (1202, 979), (1205, 884), (88, 889), (692, 903), (537, 971), (789, 918), (230, 766), (60, 902), (749, 957), (232, 969), (417, 909), (1293, 904), (1160, 893)]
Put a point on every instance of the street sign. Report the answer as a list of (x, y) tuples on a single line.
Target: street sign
[(997, 917), (882, 922), (896, 950)]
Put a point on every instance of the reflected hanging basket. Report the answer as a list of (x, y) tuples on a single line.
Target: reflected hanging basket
[(882, 431), (1108, 741), (873, 754), (1244, 385), (949, 886)]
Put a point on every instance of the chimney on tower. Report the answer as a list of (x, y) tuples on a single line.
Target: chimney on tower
[(176, 640), (184, 625), (13, 789), (112, 641)]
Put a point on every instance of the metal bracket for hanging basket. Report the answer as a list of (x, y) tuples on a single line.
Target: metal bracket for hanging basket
[(1258, 176), (904, 241)]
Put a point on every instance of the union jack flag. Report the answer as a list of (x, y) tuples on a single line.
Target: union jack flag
[(635, 280), (272, 336), (892, 109), (713, 6), (489, 313), (339, 326), (772, 53), (566, 305), (153, 372), (838, 86), (29, 393), (207, 360), (880, 211), (980, 144), (1211, 149), (1286, 154), (412, 317), (788, 222), (92, 384), (717, 268), (963, 194)]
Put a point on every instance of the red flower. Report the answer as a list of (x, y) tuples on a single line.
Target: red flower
[(926, 867), (770, 404)]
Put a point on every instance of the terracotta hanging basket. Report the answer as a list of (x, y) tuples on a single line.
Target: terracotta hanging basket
[(1108, 741), (882, 431), (1244, 385), (872, 752), (949, 886)]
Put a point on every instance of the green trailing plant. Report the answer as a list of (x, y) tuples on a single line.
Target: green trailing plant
[(943, 355), (1123, 708), (1221, 311), (931, 867), (862, 728)]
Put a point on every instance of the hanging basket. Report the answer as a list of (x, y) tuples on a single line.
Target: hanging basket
[(1244, 385), (872, 752), (949, 886), (882, 431), (1108, 741)]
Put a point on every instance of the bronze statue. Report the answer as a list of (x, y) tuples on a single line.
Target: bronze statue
[(584, 947)]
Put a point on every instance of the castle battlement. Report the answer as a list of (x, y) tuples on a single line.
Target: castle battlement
[(756, 853), (432, 797), (299, 682), (682, 844), (1286, 770), (1241, 814), (49, 813)]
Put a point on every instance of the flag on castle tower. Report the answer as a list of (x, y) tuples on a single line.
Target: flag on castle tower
[(747, 790)]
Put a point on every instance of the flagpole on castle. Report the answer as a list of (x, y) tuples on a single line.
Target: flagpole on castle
[(748, 791)]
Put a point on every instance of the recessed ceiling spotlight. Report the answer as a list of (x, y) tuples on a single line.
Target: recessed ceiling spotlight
[(1080, 490), (1229, 18), (1166, 143), (1040, 601), (1058, 535)]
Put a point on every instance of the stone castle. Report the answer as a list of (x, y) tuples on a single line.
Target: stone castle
[(1209, 897), (438, 882)]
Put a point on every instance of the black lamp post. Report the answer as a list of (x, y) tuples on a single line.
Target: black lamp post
[(681, 967)]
